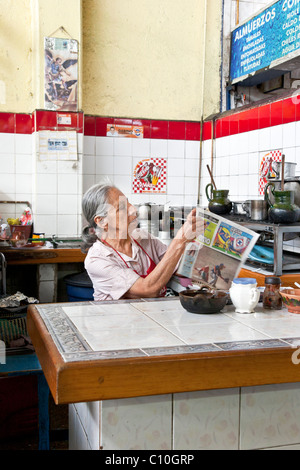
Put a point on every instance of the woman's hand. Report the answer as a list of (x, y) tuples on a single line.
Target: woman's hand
[(192, 228)]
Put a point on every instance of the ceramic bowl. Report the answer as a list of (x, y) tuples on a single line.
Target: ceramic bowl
[(203, 300), (291, 299)]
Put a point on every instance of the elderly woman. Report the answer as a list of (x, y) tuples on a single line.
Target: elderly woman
[(122, 261)]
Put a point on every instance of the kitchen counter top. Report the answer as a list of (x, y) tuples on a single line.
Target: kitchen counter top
[(105, 350)]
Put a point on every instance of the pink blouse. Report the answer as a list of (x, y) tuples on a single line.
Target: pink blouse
[(110, 275)]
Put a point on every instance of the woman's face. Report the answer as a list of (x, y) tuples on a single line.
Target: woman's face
[(121, 218)]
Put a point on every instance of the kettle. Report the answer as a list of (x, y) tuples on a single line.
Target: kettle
[(283, 210), (218, 200)]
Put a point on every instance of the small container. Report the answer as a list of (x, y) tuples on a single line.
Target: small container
[(244, 294), (271, 297)]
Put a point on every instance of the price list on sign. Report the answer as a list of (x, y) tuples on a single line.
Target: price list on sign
[(272, 35)]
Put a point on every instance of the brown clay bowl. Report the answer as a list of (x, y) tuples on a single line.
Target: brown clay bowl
[(203, 301)]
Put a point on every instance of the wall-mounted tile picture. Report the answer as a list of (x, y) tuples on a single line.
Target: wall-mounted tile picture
[(267, 168), (150, 176)]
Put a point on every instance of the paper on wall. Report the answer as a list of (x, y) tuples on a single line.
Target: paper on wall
[(58, 145)]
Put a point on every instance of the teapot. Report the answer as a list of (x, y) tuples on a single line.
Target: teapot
[(283, 210), (218, 200)]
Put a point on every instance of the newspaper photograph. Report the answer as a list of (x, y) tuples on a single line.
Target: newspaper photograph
[(217, 255)]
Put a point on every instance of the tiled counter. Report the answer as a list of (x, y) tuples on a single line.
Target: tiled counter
[(149, 375)]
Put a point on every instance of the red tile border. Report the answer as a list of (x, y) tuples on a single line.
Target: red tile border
[(228, 126), (244, 122), (45, 120), (192, 130), (297, 106), (253, 119), (234, 124), (122, 122), (101, 125), (217, 129), (146, 123), (159, 130), (24, 124), (89, 125), (264, 116), (267, 115), (7, 123), (207, 130), (177, 130), (288, 111), (276, 113)]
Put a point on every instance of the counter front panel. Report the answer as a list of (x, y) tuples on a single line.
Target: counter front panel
[(103, 350)]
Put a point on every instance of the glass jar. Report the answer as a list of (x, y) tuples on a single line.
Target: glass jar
[(271, 296)]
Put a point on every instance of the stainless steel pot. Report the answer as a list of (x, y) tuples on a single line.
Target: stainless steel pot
[(289, 169), (256, 209), (238, 209)]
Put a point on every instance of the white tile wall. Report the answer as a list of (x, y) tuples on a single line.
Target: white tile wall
[(55, 188), (239, 172), (116, 160)]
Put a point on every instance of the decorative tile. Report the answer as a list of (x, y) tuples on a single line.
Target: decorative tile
[(137, 423), (261, 344), (206, 420), (198, 348), (270, 416)]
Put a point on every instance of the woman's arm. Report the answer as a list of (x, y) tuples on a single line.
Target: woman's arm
[(160, 276)]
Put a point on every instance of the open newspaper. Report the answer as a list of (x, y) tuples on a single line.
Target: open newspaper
[(216, 256)]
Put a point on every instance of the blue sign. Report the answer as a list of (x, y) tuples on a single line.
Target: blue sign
[(272, 34)]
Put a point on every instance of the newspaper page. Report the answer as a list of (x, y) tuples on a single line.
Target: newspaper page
[(217, 255)]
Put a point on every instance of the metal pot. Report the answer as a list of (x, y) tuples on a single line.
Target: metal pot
[(256, 209), (238, 209), (289, 169)]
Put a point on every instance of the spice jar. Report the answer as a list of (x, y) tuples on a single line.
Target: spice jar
[(271, 296)]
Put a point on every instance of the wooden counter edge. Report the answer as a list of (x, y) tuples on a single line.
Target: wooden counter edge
[(43, 256), (46, 351), (132, 377)]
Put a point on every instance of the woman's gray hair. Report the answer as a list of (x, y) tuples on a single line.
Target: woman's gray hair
[(94, 203)]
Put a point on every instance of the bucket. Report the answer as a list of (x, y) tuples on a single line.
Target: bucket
[(79, 287)]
